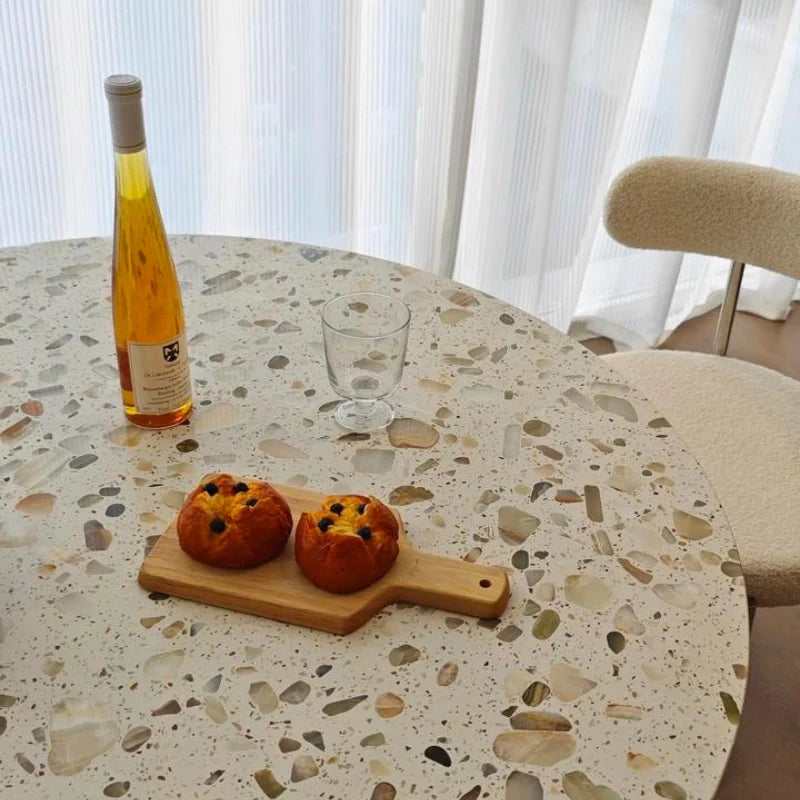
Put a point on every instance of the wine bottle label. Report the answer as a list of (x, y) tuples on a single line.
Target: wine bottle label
[(160, 375)]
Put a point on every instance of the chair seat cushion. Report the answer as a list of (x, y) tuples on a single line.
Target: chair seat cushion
[(742, 423)]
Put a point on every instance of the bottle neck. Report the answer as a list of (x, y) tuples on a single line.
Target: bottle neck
[(132, 174), (127, 121)]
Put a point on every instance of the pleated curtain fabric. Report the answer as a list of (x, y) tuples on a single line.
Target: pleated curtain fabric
[(326, 121), (718, 79), (469, 138)]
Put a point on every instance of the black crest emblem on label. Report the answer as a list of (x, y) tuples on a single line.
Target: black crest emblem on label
[(171, 351)]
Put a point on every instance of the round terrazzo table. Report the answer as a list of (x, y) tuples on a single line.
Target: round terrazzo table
[(617, 671)]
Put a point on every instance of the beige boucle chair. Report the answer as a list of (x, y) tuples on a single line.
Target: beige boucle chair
[(741, 421)]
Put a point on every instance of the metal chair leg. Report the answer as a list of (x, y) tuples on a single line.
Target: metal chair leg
[(726, 311)]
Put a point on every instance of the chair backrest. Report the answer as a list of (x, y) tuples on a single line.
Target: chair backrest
[(719, 208)]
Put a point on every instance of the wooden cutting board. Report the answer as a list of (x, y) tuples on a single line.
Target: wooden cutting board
[(279, 590)]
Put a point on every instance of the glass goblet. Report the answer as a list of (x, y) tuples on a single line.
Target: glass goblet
[(365, 336)]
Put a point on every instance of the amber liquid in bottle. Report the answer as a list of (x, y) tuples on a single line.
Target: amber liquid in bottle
[(149, 327)]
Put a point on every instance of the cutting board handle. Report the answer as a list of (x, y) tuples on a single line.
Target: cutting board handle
[(451, 585)]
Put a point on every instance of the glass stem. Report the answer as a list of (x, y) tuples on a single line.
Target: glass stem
[(363, 408)]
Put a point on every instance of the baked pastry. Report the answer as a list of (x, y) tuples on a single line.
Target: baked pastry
[(228, 522), (348, 544)]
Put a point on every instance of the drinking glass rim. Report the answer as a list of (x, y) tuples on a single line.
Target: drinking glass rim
[(340, 332)]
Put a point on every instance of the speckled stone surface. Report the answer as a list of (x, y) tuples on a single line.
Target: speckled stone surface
[(617, 671)]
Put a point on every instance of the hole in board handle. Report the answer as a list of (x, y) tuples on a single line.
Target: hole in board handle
[(485, 582)]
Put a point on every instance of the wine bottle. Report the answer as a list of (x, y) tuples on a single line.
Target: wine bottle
[(149, 326)]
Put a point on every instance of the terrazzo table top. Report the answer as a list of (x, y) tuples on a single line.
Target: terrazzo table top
[(617, 671)]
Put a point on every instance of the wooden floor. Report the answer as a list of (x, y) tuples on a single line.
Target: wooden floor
[(765, 762)]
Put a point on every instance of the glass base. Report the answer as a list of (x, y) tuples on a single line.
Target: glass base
[(364, 415)]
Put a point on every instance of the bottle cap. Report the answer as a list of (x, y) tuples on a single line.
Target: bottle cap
[(124, 93)]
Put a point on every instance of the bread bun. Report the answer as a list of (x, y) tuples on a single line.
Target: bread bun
[(348, 544), (228, 522)]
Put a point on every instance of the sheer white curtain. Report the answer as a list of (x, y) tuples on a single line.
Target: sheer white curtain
[(718, 79), (568, 94), (326, 121), (465, 137)]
